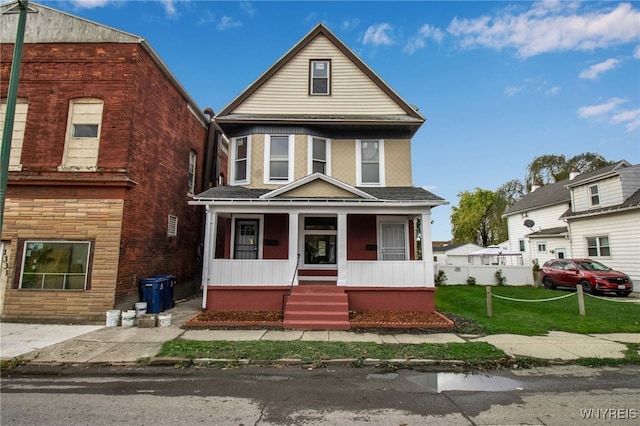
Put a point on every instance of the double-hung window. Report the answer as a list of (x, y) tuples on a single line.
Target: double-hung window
[(83, 135), (319, 155), (240, 159), (320, 77), (370, 162), (191, 183), (594, 196), (598, 246), (278, 165), (55, 265)]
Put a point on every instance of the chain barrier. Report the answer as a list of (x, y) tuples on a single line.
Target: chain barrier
[(534, 300), (612, 300)]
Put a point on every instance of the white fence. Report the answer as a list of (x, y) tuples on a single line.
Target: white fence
[(249, 272), (388, 273), (486, 274)]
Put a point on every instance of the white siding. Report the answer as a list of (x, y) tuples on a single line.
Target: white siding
[(630, 180), (352, 92), (623, 230), (81, 154), (609, 191), (387, 274)]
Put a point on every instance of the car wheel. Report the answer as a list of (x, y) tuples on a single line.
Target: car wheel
[(586, 287), (548, 283), (623, 293)]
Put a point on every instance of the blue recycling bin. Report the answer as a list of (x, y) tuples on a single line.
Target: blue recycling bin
[(167, 295), (152, 290)]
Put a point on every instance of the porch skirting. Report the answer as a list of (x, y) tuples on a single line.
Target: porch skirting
[(263, 298)]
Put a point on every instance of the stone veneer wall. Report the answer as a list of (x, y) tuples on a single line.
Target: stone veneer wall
[(72, 219)]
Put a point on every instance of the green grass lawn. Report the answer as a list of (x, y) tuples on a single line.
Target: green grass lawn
[(602, 316)]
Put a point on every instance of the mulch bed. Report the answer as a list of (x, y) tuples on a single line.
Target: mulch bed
[(359, 320)]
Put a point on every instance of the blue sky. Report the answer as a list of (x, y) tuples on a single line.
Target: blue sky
[(499, 82)]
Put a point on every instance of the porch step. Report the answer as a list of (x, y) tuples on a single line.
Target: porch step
[(318, 307)]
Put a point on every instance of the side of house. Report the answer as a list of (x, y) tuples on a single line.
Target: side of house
[(108, 148)]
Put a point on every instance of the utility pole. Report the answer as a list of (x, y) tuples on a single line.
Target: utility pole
[(10, 111)]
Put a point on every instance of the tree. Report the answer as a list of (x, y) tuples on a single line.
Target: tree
[(478, 218), (547, 169), (511, 192)]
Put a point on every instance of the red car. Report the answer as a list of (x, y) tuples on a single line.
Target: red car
[(594, 277)]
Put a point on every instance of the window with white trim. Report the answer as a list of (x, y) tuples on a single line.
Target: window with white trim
[(54, 265), (320, 77), (370, 162), (319, 150), (191, 183), (594, 196), (240, 160), (278, 159), (17, 136), (393, 238), (598, 246), (83, 135), (320, 234)]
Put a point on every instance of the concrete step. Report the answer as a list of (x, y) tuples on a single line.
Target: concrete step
[(316, 325), (313, 305), (319, 316)]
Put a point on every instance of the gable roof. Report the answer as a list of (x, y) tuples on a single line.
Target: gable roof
[(631, 203), (601, 173), (315, 177), (548, 195), (410, 115)]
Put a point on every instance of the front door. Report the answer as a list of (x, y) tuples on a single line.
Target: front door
[(393, 241), (246, 239)]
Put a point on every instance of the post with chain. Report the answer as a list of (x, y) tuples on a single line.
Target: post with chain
[(489, 306), (580, 300)]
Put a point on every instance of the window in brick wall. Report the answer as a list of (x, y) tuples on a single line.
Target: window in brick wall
[(55, 265), (83, 135), (172, 228), (191, 184), (17, 138)]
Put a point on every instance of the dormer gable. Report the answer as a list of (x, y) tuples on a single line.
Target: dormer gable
[(317, 185)]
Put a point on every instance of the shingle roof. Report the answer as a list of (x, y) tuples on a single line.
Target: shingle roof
[(549, 232), (596, 173), (548, 195), (386, 193)]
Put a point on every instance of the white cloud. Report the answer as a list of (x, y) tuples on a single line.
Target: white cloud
[(228, 22), (419, 40), (550, 26), (553, 90), (594, 71), (169, 7), (636, 52), (378, 35), (630, 118), (599, 109), (512, 90), (349, 24), (90, 4), (248, 8)]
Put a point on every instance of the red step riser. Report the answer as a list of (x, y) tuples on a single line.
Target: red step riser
[(316, 316), (318, 307)]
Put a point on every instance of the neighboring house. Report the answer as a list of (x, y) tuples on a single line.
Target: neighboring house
[(604, 221), (107, 149), (594, 215), (320, 194), (454, 254)]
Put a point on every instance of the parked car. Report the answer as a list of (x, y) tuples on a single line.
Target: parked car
[(594, 277)]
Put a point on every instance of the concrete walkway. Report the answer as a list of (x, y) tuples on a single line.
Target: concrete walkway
[(72, 344)]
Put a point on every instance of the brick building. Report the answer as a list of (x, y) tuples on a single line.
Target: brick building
[(107, 150)]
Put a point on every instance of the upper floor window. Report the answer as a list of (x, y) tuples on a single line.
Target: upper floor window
[(320, 77), (598, 246), (319, 155), (521, 244), (370, 162), (594, 195), (278, 158), (172, 225), (55, 265), (19, 125), (240, 159), (83, 135), (191, 184)]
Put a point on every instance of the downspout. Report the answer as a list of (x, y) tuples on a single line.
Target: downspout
[(210, 177)]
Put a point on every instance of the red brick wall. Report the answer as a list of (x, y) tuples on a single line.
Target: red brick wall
[(146, 137)]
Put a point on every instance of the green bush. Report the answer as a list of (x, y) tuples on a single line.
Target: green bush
[(502, 280), (471, 281), (440, 278)]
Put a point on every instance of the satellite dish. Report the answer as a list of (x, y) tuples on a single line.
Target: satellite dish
[(529, 223)]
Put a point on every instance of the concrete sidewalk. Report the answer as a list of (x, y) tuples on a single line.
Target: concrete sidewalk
[(51, 344)]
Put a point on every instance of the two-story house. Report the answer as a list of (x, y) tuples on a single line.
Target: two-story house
[(591, 215), (107, 149), (320, 196)]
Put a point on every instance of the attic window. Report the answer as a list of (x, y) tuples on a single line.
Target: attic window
[(319, 77)]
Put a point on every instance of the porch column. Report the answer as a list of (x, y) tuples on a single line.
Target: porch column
[(210, 235), (293, 247), (342, 249), (427, 249)]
